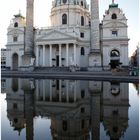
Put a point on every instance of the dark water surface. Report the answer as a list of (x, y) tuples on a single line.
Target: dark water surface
[(34, 109)]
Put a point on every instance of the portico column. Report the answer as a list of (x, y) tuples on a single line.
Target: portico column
[(60, 62), (50, 55), (75, 84), (67, 90), (74, 54), (43, 90), (60, 82), (37, 56), (67, 55), (43, 55), (50, 90)]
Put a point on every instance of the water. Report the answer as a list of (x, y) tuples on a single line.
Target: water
[(68, 110)]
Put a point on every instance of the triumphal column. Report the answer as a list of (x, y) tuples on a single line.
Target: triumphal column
[(95, 51), (28, 57)]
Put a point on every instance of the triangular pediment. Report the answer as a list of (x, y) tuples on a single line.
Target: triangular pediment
[(114, 24), (54, 35), (15, 32)]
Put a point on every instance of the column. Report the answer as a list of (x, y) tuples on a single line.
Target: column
[(50, 55), (67, 55), (74, 53), (67, 90), (60, 62), (43, 90), (75, 84), (36, 89), (37, 55), (50, 90), (43, 55), (60, 85)]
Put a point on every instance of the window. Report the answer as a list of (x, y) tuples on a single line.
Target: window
[(82, 21), (115, 53), (82, 110), (15, 39), (82, 35), (64, 125), (64, 1), (114, 16), (16, 24), (114, 33), (15, 106), (64, 19), (82, 51), (82, 94)]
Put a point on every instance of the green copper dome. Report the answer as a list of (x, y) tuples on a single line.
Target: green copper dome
[(70, 2)]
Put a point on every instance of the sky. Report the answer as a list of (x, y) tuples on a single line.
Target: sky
[(42, 9)]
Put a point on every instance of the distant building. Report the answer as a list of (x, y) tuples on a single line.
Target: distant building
[(3, 59)]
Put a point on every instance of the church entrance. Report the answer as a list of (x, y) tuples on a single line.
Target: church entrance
[(114, 63), (57, 60), (15, 61), (114, 59)]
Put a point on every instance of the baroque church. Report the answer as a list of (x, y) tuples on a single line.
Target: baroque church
[(75, 38)]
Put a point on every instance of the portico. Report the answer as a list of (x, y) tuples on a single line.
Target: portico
[(49, 55)]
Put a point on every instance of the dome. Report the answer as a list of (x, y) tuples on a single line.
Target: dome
[(82, 3)]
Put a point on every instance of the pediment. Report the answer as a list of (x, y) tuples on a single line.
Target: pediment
[(114, 25), (54, 35), (15, 32)]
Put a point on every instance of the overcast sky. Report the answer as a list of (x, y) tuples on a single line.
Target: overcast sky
[(8, 8)]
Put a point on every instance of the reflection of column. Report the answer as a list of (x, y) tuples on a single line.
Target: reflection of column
[(67, 55), (60, 63), (50, 90), (75, 91), (95, 116), (67, 90), (50, 55), (37, 55), (74, 54), (29, 113), (37, 90), (43, 90), (43, 55), (60, 90)]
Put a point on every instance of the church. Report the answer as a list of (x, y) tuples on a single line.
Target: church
[(76, 38)]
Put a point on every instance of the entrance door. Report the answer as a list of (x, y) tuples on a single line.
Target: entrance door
[(57, 60), (15, 61), (114, 63)]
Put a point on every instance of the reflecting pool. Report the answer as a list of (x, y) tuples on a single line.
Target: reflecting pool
[(44, 109)]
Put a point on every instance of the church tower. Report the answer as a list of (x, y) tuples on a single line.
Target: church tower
[(95, 52)]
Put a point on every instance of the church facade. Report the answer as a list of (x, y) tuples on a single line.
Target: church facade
[(76, 37)]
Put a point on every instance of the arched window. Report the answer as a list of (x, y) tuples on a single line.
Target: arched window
[(114, 16), (82, 21), (115, 53), (82, 51), (16, 24), (64, 19)]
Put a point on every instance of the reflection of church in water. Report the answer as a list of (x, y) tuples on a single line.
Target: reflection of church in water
[(76, 108)]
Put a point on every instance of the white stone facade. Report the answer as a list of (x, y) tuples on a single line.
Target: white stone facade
[(68, 41)]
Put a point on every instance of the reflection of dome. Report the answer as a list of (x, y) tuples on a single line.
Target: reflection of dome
[(71, 2)]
